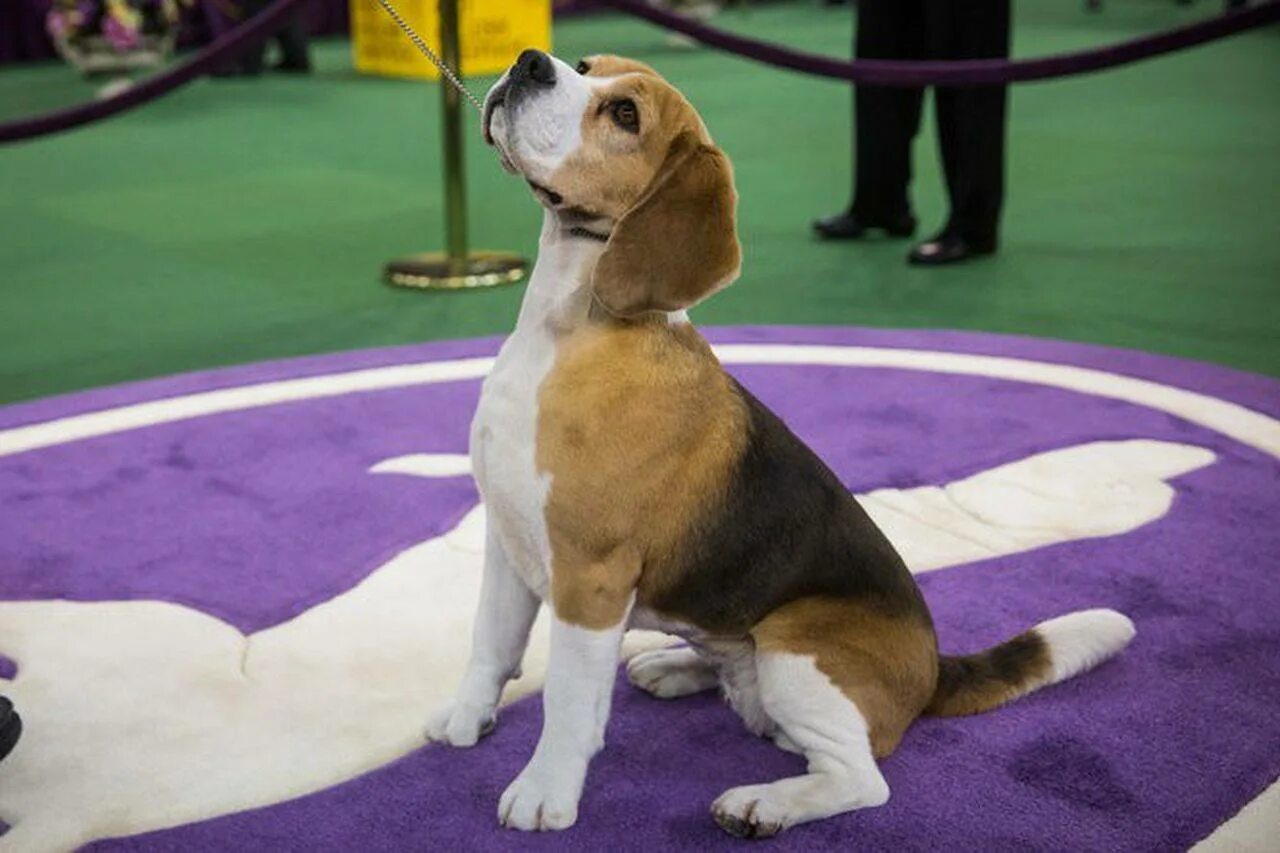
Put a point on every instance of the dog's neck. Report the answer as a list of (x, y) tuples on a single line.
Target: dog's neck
[(558, 297)]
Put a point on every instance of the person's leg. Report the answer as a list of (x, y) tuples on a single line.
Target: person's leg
[(250, 61), (983, 32), (941, 25), (971, 125), (293, 45), (885, 122), (886, 118)]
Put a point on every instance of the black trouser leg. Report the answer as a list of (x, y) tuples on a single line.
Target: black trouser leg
[(971, 120), (292, 38), (293, 44), (885, 119), (251, 59)]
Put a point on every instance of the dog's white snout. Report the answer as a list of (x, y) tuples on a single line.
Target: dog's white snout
[(533, 115)]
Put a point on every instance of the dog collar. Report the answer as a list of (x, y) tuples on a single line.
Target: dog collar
[(579, 231)]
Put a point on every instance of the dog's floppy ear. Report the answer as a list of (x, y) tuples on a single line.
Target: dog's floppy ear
[(679, 243)]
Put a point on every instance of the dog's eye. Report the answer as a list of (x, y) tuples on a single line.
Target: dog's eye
[(582, 67), (625, 115)]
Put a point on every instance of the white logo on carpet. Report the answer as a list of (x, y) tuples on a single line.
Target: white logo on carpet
[(143, 715)]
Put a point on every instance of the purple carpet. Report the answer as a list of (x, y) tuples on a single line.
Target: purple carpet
[(256, 515)]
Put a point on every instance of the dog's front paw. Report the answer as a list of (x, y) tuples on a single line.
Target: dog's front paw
[(460, 724), (540, 800)]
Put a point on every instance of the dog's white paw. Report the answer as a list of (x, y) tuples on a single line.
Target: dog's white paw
[(539, 800), (460, 724), (759, 811), (669, 673), (752, 811)]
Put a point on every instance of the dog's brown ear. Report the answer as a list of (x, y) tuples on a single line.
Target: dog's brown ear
[(679, 243)]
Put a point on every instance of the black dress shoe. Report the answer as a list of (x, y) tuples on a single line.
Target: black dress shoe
[(846, 226), (295, 66), (10, 726), (948, 249)]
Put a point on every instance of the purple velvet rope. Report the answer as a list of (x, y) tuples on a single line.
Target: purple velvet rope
[(969, 72), (257, 28)]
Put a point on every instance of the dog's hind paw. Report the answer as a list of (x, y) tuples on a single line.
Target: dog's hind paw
[(670, 673), (749, 812)]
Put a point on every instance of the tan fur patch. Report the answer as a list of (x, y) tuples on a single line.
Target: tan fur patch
[(886, 664), (640, 430), (612, 167), (667, 188), (608, 65)]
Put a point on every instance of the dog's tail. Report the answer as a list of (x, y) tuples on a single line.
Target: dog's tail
[(1050, 652)]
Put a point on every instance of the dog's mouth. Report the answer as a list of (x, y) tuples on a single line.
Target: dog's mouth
[(546, 193), (497, 98)]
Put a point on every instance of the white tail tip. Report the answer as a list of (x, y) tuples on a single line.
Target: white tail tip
[(1082, 640)]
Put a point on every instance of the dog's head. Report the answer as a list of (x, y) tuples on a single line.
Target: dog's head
[(610, 147)]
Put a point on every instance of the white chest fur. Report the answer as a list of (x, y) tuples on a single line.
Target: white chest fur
[(503, 444), (504, 432)]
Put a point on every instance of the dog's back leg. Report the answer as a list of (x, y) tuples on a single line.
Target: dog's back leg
[(829, 730), (834, 679)]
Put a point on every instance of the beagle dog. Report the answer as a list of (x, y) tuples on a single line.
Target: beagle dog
[(630, 482)]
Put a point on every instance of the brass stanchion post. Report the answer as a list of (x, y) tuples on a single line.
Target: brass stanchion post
[(455, 179), (456, 267)]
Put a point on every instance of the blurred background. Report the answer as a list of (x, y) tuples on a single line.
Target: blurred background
[(247, 217)]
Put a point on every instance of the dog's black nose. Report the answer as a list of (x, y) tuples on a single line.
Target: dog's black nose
[(534, 66)]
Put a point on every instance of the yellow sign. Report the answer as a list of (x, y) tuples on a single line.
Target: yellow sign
[(493, 32)]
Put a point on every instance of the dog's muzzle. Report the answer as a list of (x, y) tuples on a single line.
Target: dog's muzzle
[(533, 71)]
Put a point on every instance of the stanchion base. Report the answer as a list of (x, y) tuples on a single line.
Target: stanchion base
[(436, 271)]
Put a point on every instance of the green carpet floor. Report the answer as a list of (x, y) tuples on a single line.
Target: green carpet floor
[(246, 220)]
